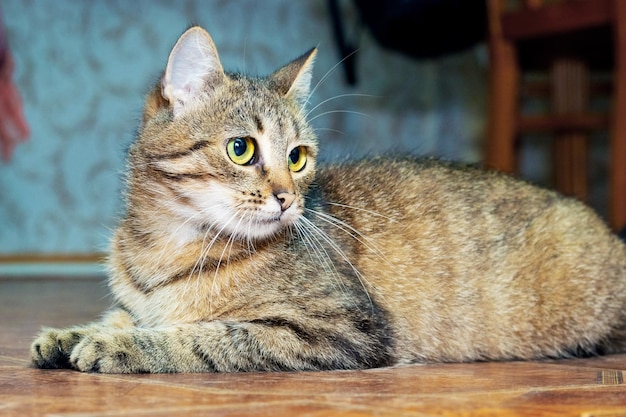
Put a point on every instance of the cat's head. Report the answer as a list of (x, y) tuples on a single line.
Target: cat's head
[(223, 151)]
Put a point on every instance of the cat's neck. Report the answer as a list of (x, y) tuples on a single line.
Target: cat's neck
[(170, 250)]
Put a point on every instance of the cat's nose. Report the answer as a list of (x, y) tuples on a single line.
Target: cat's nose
[(285, 200)]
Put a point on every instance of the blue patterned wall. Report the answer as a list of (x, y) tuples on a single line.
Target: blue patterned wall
[(83, 67)]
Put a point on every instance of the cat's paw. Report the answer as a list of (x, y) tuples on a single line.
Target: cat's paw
[(110, 352), (52, 348)]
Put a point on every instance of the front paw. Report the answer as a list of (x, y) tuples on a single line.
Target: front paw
[(52, 348), (111, 353)]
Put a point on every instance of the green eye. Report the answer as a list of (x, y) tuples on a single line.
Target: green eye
[(241, 150), (297, 159)]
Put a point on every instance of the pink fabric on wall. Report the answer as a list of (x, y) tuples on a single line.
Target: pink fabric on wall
[(13, 126)]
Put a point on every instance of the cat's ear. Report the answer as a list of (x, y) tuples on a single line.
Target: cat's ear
[(192, 68), (294, 79)]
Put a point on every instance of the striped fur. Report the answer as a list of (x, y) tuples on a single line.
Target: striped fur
[(220, 267)]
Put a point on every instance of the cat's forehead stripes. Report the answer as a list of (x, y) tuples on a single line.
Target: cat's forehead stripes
[(259, 124)]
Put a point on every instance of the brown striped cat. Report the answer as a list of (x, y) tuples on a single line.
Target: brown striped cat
[(238, 253)]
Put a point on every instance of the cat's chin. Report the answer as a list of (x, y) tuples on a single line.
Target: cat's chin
[(261, 231), (263, 227)]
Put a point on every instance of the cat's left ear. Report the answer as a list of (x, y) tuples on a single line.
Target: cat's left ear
[(192, 68), (294, 79)]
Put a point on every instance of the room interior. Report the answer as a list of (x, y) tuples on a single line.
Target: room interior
[(529, 87)]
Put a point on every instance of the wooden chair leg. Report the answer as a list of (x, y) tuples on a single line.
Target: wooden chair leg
[(570, 164), (617, 205), (570, 95), (503, 86)]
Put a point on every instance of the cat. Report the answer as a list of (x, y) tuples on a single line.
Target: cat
[(238, 253)]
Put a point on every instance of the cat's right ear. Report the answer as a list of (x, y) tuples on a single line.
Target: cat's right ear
[(192, 67)]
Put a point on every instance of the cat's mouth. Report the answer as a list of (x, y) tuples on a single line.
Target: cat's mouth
[(261, 225), (270, 220), (282, 219)]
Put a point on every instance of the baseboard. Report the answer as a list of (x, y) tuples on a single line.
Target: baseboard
[(57, 265), (28, 258)]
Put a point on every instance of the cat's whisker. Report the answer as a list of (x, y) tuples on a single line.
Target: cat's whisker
[(214, 284), (332, 99), (249, 239), (338, 111), (328, 74), (206, 249), (166, 247), (200, 262), (314, 245), (374, 213), (312, 249), (232, 237), (310, 243), (328, 129), (202, 258), (333, 245), (352, 232)]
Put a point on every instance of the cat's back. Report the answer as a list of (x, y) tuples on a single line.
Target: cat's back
[(458, 255), (420, 191), (424, 191)]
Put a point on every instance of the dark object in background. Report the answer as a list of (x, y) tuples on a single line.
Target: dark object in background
[(423, 29)]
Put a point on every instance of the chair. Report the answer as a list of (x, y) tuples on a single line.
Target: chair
[(568, 38)]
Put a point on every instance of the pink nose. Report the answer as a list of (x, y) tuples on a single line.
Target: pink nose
[(285, 200)]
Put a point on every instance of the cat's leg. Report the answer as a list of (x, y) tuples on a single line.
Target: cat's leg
[(218, 346), (52, 347)]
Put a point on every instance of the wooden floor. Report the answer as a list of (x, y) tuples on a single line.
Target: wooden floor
[(590, 387)]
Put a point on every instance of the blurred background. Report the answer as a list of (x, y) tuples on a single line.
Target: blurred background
[(83, 67)]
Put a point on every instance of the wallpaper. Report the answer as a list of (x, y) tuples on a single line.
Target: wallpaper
[(83, 66)]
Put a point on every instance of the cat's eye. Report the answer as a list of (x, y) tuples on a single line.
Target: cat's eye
[(297, 158), (241, 150)]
